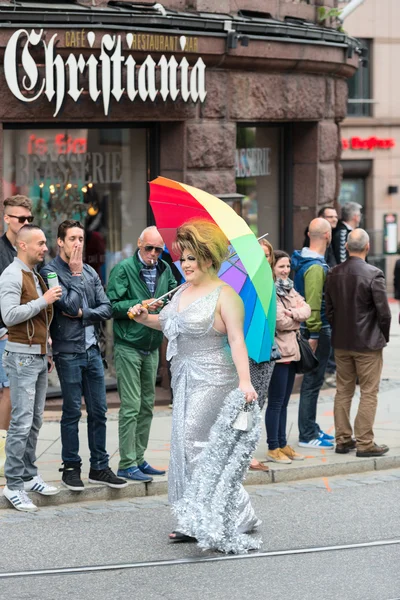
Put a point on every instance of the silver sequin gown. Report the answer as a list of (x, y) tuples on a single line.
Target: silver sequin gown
[(203, 378)]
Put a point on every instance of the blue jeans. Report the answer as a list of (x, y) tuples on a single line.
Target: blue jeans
[(280, 388), (311, 386), (4, 383), (82, 374), (27, 374)]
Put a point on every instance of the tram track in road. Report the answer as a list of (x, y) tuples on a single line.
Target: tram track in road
[(197, 560)]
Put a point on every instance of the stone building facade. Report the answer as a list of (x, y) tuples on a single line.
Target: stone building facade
[(268, 62), (371, 131), (99, 97)]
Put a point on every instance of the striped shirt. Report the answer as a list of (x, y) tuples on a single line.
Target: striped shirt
[(149, 274)]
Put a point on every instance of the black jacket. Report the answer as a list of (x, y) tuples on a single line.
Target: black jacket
[(339, 239), (68, 335), (7, 253), (357, 306)]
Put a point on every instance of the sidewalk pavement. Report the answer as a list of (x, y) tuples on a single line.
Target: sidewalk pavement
[(318, 463)]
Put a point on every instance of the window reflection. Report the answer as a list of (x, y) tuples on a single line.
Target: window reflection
[(257, 178), (96, 176)]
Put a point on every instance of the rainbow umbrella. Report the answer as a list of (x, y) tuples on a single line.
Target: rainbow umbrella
[(248, 272)]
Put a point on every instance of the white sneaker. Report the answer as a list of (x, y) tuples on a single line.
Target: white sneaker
[(20, 500), (41, 487)]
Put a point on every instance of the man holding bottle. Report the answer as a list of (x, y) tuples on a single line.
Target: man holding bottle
[(27, 310)]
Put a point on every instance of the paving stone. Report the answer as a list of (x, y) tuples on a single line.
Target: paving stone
[(344, 483), (268, 492), (388, 477)]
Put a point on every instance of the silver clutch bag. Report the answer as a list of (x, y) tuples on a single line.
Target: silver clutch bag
[(244, 419)]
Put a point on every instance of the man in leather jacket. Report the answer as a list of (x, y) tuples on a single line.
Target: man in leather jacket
[(82, 306), (359, 313)]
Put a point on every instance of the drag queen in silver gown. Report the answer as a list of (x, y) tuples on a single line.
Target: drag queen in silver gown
[(211, 383)]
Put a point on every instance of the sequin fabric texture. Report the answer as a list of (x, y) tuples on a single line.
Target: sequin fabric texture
[(260, 375), (208, 457)]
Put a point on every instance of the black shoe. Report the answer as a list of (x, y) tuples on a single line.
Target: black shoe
[(106, 477), (375, 451), (345, 447), (71, 477)]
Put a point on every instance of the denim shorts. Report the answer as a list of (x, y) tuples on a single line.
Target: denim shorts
[(3, 377)]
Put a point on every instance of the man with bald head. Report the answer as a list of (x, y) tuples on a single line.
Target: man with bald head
[(358, 310), (17, 212), (140, 278), (27, 311), (310, 270)]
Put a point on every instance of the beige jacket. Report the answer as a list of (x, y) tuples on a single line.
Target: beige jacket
[(287, 326)]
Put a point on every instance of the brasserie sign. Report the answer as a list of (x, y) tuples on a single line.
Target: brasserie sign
[(98, 75)]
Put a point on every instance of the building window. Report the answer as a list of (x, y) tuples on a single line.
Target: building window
[(360, 102), (352, 190), (97, 176), (258, 152)]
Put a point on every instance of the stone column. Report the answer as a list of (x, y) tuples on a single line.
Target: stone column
[(305, 178), (173, 150), (211, 156), (329, 152)]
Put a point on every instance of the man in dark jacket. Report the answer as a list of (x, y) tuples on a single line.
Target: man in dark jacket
[(349, 219), (17, 212), (77, 356), (359, 313), (142, 277)]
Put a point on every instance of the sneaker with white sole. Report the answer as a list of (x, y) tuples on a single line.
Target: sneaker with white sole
[(318, 444), (36, 484), (106, 477), (20, 500)]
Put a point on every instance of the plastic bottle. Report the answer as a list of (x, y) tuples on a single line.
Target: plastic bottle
[(52, 280)]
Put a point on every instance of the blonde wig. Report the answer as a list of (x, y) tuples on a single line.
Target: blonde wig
[(204, 240)]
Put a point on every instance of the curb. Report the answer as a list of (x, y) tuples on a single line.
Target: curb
[(160, 486)]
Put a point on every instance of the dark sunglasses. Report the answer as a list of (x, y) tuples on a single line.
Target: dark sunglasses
[(151, 248), (22, 219)]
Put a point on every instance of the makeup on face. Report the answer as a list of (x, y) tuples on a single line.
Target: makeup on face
[(189, 265)]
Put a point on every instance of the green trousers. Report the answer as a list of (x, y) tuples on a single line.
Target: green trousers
[(136, 380)]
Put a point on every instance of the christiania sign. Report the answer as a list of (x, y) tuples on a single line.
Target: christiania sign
[(103, 75)]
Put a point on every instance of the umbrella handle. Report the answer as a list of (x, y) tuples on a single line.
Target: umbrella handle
[(131, 316)]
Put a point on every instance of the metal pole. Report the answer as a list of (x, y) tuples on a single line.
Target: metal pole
[(351, 7)]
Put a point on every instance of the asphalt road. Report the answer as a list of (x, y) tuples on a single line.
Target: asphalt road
[(312, 514)]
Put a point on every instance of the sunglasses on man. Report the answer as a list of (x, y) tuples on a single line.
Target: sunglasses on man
[(22, 219), (156, 248)]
